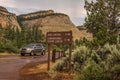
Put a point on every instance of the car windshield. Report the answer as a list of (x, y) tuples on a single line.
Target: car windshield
[(30, 46)]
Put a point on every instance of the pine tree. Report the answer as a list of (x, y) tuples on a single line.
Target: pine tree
[(0, 30), (103, 19), (18, 38), (23, 36)]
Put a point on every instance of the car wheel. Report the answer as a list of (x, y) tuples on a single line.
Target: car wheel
[(32, 53), (43, 53), (22, 54)]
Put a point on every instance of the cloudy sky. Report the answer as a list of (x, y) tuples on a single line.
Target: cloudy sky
[(73, 8)]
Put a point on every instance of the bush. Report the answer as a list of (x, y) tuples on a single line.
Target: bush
[(115, 70), (62, 65), (114, 57), (10, 47), (2, 46), (80, 54), (92, 71), (83, 41), (104, 51), (100, 64), (59, 66), (52, 73), (118, 46)]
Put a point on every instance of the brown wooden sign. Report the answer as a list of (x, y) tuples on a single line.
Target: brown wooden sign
[(59, 37)]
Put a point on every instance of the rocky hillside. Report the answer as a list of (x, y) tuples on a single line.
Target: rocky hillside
[(46, 21), (81, 27), (50, 21), (84, 32), (8, 19)]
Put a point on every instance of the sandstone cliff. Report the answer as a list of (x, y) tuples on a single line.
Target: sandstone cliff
[(84, 32), (8, 19), (46, 21), (50, 21)]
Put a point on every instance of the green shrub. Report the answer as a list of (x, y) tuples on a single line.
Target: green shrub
[(65, 62), (10, 47), (104, 51), (83, 41), (100, 64), (51, 73), (94, 56), (114, 57), (92, 71), (80, 54), (59, 66), (62, 65), (116, 69), (2, 46), (118, 46)]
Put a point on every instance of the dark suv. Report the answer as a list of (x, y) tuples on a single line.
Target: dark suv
[(33, 49)]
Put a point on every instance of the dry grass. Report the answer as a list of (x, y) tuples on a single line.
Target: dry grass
[(38, 71), (7, 54)]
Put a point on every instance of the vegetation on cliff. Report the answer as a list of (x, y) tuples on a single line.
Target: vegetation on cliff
[(12, 40), (37, 15)]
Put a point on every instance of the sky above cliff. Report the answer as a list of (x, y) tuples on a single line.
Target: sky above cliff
[(73, 8)]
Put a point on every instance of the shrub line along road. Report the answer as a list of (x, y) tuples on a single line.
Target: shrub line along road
[(10, 65)]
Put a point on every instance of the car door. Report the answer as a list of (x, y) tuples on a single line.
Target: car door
[(38, 49), (35, 49)]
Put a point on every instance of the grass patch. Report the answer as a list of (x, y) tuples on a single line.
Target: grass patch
[(7, 54), (38, 71)]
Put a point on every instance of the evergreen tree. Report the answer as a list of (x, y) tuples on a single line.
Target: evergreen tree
[(15, 39), (29, 35), (103, 19), (23, 36), (0, 30), (18, 38)]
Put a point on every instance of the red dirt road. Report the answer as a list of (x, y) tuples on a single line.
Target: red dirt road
[(10, 65)]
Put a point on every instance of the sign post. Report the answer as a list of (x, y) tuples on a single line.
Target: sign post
[(48, 57), (59, 38), (70, 52)]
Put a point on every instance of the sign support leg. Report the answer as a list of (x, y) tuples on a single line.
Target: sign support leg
[(70, 51), (48, 68)]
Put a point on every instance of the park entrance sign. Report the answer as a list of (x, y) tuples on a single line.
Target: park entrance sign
[(59, 38)]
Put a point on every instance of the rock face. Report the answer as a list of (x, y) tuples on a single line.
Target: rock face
[(84, 32), (8, 19), (43, 18), (49, 21)]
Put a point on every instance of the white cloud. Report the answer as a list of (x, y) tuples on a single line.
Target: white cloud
[(73, 8), (79, 12), (7, 3), (78, 21)]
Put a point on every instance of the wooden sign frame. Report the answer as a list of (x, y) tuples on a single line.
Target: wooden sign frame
[(64, 37)]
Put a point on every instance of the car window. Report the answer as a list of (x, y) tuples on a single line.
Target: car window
[(29, 46), (38, 45), (35, 46)]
